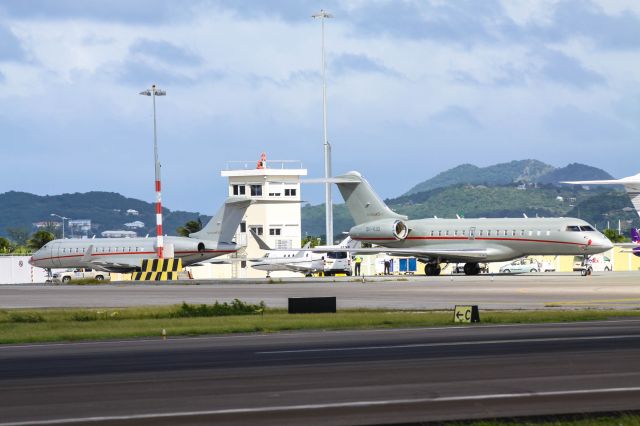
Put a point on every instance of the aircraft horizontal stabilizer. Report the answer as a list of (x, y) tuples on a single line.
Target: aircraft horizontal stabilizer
[(260, 241)]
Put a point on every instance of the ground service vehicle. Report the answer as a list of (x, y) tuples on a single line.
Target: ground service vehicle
[(521, 265), (80, 274), (597, 263), (337, 263)]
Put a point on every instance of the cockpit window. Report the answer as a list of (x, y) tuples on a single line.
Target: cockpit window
[(586, 228), (573, 228)]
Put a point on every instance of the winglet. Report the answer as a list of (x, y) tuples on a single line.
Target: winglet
[(260, 241), (88, 254)]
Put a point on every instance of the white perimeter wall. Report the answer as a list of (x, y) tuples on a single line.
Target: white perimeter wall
[(16, 270)]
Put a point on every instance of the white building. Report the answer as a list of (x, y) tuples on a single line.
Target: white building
[(132, 212), (275, 215), (119, 234), (78, 227), (135, 224)]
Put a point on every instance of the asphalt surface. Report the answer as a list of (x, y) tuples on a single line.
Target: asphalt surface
[(610, 290), (328, 378)]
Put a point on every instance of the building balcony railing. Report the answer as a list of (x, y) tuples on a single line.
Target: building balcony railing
[(268, 164)]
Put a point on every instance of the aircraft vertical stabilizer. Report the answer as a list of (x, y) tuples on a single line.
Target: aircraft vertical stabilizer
[(363, 203), (223, 226)]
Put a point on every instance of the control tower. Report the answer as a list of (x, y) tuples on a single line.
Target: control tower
[(275, 214)]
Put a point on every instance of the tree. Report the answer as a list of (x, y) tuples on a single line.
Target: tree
[(190, 227), (18, 235), (39, 239), (613, 235), (5, 245)]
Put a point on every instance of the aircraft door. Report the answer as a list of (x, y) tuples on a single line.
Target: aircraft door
[(55, 254), (472, 233)]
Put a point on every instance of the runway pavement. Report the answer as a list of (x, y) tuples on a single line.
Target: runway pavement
[(619, 290), (329, 378)]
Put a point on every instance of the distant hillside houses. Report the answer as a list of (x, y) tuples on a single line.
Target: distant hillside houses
[(47, 224), (135, 225), (132, 212)]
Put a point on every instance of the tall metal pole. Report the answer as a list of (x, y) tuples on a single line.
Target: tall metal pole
[(327, 146), (159, 238)]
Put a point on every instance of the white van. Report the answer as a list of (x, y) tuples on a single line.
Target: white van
[(337, 263), (595, 263)]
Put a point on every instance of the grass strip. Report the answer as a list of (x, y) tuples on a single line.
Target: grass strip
[(615, 419), (50, 325)]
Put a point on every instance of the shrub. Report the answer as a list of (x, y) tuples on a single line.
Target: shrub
[(237, 307), (25, 317)]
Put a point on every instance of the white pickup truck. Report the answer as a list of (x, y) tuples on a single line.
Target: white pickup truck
[(79, 274)]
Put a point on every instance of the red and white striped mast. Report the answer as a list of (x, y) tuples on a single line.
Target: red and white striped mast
[(153, 92)]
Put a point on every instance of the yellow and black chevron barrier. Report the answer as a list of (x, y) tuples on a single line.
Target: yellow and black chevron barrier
[(158, 270)]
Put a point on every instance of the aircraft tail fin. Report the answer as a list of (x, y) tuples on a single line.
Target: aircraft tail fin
[(363, 203), (304, 250), (261, 243), (349, 243), (635, 236), (223, 226)]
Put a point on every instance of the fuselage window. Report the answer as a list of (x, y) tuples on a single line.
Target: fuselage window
[(522, 232), (432, 233), (439, 233), (455, 232), (481, 232), (489, 233), (513, 233), (464, 232), (447, 233)]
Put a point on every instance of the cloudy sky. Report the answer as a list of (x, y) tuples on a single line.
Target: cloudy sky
[(414, 88)]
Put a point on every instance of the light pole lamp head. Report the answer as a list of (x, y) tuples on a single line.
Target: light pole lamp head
[(322, 14), (153, 91)]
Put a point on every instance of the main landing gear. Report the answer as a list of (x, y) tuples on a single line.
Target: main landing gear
[(471, 268), (432, 269)]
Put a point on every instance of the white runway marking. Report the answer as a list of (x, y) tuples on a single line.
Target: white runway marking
[(428, 345), (353, 404)]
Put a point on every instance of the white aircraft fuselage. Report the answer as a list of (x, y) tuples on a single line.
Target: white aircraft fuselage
[(123, 254)]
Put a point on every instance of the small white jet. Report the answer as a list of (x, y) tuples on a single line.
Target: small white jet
[(126, 254), (302, 260), (469, 241)]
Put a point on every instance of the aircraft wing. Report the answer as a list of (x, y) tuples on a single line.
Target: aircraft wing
[(470, 254), (114, 265)]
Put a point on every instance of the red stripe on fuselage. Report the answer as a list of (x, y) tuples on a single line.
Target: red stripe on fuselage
[(130, 253), (469, 239)]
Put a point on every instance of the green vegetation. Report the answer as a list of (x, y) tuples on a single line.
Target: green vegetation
[(29, 325), (39, 239), (107, 210), (189, 228), (622, 419)]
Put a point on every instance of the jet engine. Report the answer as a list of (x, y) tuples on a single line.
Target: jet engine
[(385, 229)]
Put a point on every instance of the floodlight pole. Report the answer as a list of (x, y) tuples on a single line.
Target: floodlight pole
[(323, 14), (153, 92), (63, 219)]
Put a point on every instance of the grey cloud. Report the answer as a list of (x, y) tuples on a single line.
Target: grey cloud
[(142, 74), (165, 52), (455, 115), (351, 62), (10, 47), (566, 70), (138, 11)]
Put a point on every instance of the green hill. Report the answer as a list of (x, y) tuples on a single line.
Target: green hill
[(106, 210), (523, 171)]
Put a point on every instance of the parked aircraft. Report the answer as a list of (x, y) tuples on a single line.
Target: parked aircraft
[(436, 241), (126, 254), (302, 260), (631, 185), (635, 241)]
